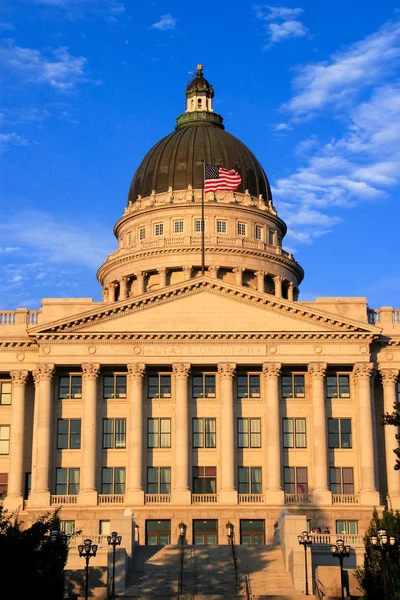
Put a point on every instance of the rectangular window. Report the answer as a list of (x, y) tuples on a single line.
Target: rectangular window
[(293, 386), (197, 225), (204, 433), (67, 482), (129, 238), (114, 433), (241, 228), (159, 386), (158, 229), (258, 232), (347, 527), (3, 484), (4, 439), (249, 433), (221, 227), (70, 386), (159, 433), (178, 226), (341, 480), (142, 233), (67, 527), (294, 433), (295, 480), (338, 386), (5, 392), (271, 237), (203, 386), (204, 480), (104, 527), (248, 385), (159, 480), (69, 434), (114, 386), (339, 433), (113, 480), (250, 480)]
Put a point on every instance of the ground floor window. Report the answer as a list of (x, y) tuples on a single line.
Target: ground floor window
[(104, 527), (205, 533), (67, 527), (252, 532), (158, 533), (347, 527), (3, 485)]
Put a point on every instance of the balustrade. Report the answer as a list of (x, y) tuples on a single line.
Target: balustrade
[(111, 498), (251, 498), (345, 499), (157, 498), (204, 498), (297, 499), (63, 499)]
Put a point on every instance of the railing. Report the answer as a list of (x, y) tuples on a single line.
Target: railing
[(157, 498), (374, 316), (396, 316), (251, 498), (328, 539), (100, 540), (111, 499), (345, 499), (297, 499), (20, 317), (8, 318), (204, 498), (64, 499), (32, 317)]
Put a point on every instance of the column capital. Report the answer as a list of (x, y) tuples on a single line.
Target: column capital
[(91, 370), (181, 370), (291, 285), (187, 270), (112, 285), (238, 270), (227, 370), (140, 275), (213, 271), (19, 377), (317, 370), (364, 371), (389, 376), (43, 372), (105, 294), (136, 371), (278, 279), (124, 280), (260, 274), (162, 271), (271, 370)]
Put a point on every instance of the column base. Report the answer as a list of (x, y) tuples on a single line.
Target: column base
[(88, 497), (228, 497), (275, 497), (39, 498), (13, 503), (182, 497), (322, 497), (135, 497), (369, 498)]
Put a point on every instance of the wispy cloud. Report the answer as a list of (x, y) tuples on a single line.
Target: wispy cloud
[(7, 140), (165, 23), (109, 10), (4, 26), (281, 23)]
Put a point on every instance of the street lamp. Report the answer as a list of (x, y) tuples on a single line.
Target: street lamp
[(114, 540), (182, 538), (230, 531), (87, 550), (384, 544), (305, 540), (182, 532), (341, 552)]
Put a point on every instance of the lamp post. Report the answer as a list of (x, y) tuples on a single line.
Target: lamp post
[(87, 550), (384, 544), (340, 551), (114, 540), (182, 537), (230, 532), (305, 540)]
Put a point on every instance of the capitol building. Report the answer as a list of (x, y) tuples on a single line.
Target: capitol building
[(202, 389)]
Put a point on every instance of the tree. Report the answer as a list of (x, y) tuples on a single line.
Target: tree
[(33, 559), (380, 565), (394, 419)]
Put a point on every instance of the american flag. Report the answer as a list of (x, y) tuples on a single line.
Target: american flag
[(218, 178)]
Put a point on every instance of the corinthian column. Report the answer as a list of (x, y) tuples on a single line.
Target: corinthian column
[(162, 273), (278, 280), (228, 493), (260, 280), (321, 492), (43, 377), (291, 291), (389, 380), (363, 373), (15, 495), (181, 490), (111, 291), (88, 491), (275, 493), (123, 285), (140, 282), (135, 494), (238, 271)]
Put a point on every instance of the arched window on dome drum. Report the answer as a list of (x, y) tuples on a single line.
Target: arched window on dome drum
[(199, 103)]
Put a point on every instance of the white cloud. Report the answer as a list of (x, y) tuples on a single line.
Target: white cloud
[(281, 23), (6, 26), (9, 249), (11, 139), (165, 23), (282, 31)]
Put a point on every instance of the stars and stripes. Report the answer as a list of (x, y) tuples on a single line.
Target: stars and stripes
[(218, 178)]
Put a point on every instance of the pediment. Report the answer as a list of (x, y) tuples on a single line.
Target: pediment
[(199, 306)]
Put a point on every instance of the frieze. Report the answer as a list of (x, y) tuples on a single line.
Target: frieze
[(201, 350)]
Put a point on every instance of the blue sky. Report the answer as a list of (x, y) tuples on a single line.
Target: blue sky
[(88, 86)]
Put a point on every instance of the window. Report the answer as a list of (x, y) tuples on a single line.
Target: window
[(3, 484), (339, 433), (205, 532), (113, 480), (294, 433), (271, 237), (70, 386), (341, 480), (114, 386), (221, 227), (250, 480), (347, 527), (129, 238), (398, 391), (252, 532), (293, 386), (158, 480), (338, 386), (295, 480), (158, 533), (159, 229), (241, 228), (28, 485), (114, 433), (249, 433), (5, 392), (67, 482), (248, 385), (142, 233), (178, 226), (4, 439), (203, 386), (159, 433), (204, 480), (104, 527), (69, 434), (67, 528), (159, 386), (258, 232), (204, 433), (197, 225)]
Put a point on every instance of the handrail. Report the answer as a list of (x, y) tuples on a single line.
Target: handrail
[(235, 563), (181, 567)]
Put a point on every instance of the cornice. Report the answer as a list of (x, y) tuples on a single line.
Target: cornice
[(10, 344)]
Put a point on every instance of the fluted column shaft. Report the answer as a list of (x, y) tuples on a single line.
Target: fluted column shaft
[(140, 283), (321, 493), (135, 492), (260, 281), (274, 462), (111, 291), (278, 280), (182, 489), (88, 492), (228, 493), (291, 291), (389, 381), (162, 272), (238, 271), (123, 287)]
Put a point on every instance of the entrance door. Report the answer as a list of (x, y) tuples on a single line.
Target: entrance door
[(158, 533), (252, 533), (205, 533)]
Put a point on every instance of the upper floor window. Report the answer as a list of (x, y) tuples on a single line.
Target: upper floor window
[(158, 480), (347, 527), (178, 226), (104, 527), (159, 433), (241, 228), (69, 434), (114, 433), (114, 386), (3, 484), (197, 225), (142, 233), (293, 386), (271, 237), (129, 238), (67, 481), (248, 385), (341, 480), (113, 480), (258, 232), (203, 386), (221, 226), (159, 229), (159, 386), (5, 392), (204, 480), (338, 386), (250, 480), (204, 435), (295, 480), (70, 386), (339, 433), (249, 433), (294, 433), (398, 391), (67, 528), (4, 439)]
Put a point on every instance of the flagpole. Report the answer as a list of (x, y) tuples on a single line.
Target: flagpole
[(202, 220)]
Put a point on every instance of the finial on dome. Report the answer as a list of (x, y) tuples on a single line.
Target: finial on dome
[(199, 70)]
